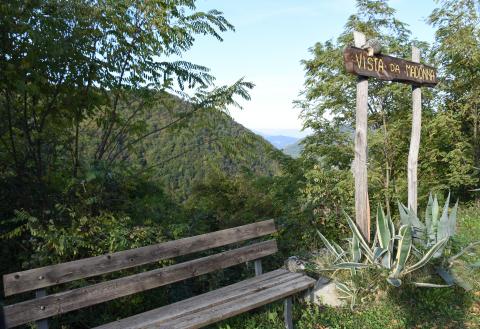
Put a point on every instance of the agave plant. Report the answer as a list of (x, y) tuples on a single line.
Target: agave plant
[(391, 250), (435, 228)]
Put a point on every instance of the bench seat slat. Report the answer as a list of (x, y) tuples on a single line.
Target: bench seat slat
[(206, 309), (67, 301), (47, 276), (203, 301)]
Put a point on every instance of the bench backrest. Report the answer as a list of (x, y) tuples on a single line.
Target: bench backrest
[(66, 301)]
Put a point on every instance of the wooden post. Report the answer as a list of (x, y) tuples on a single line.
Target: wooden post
[(287, 312), (258, 267), (41, 324), (415, 139), (360, 163)]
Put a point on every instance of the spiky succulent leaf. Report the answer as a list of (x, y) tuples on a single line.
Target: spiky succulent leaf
[(356, 251), (426, 258), (428, 213), (443, 229), (396, 282), (358, 234), (430, 285), (447, 277), (377, 253), (383, 229), (404, 245), (453, 219), (403, 214), (327, 244), (343, 288), (434, 224), (350, 265)]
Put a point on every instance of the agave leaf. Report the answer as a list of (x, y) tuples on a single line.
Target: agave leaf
[(434, 225), (447, 277), (392, 232), (428, 210), (426, 258), (459, 281), (383, 230), (339, 249), (394, 281), (350, 265), (343, 288), (404, 220), (358, 234), (443, 228), (430, 285), (328, 245), (403, 249), (453, 220), (387, 260), (356, 251), (378, 252)]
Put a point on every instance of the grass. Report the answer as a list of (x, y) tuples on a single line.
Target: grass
[(405, 307)]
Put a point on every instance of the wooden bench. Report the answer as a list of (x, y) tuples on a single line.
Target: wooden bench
[(194, 312)]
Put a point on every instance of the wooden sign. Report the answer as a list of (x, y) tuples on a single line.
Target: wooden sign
[(357, 61)]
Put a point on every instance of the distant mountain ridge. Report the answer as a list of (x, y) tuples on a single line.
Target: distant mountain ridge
[(294, 150), (280, 141)]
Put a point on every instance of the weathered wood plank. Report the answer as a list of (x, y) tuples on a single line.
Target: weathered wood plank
[(258, 267), (235, 307), (357, 61), (362, 216), (287, 313), (414, 139), (201, 302), (55, 274), (67, 301)]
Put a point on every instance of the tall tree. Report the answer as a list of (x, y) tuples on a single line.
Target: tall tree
[(457, 50), (71, 67)]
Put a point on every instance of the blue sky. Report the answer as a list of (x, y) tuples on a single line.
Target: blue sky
[(271, 38)]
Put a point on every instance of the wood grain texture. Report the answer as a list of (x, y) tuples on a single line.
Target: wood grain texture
[(67, 301), (414, 139), (204, 301), (362, 217), (287, 313), (38, 278), (226, 310), (357, 61), (258, 267)]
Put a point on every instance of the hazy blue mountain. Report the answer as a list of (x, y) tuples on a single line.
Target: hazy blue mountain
[(280, 141), (294, 149)]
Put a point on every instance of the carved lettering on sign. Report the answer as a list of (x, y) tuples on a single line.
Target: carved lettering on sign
[(388, 68)]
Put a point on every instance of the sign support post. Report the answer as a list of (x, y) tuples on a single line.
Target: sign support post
[(365, 60), (362, 215), (415, 139)]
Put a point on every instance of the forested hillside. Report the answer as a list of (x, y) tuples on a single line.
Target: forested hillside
[(208, 143)]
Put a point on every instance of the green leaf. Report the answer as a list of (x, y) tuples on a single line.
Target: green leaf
[(383, 230), (328, 245), (358, 234), (403, 249), (396, 282), (356, 251), (350, 265), (426, 258), (430, 285)]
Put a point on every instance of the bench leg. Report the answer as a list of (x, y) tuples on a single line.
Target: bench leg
[(41, 324), (258, 267), (287, 312)]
